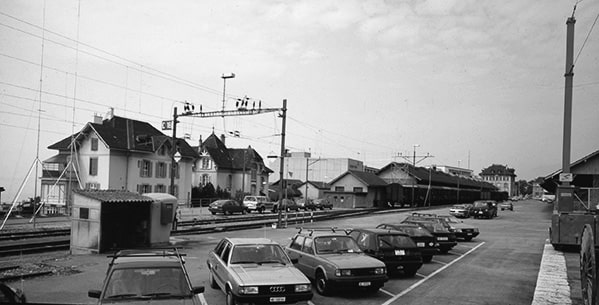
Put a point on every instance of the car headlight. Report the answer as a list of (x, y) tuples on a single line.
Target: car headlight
[(380, 271), (248, 290), (303, 288), (458, 230), (343, 272)]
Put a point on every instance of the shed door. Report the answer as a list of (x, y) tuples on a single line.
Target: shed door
[(124, 226)]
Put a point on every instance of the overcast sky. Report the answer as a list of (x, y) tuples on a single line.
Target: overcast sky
[(473, 83)]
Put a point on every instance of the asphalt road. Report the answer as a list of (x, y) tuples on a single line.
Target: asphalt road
[(500, 266)]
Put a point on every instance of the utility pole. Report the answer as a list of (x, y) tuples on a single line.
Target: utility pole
[(281, 179), (414, 162)]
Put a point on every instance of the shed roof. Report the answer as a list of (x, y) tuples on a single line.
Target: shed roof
[(114, 196), (369, 179)]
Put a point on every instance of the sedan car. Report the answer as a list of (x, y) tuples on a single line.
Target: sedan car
[(256, 270), (333, 260), (397, 250), (226, 206), (155, 276), (459, 210), (462, 231), (322, 203), (485, 208), (425, 241), (506, 205), (287, 205), (443, 236)]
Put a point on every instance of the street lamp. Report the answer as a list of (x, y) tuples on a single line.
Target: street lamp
[(225, 77)]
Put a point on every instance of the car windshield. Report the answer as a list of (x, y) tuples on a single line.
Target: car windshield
[(480, 204), (259, 254), (147, 283), (451, 220), (393, 241), (416, 231), (336, 244)]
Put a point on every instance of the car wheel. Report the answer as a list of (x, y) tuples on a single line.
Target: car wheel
[(243, 212), (213, 283), (261, 210), (588, 266), (322, 284), (230, 298), (427, 258), (213, 213)]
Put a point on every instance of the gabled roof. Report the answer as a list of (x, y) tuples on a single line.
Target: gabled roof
[(369, 179), (574, 164), (231, 158), (437, 178), (125, 134)]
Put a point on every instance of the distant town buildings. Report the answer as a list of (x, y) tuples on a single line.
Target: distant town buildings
[(503, 177)]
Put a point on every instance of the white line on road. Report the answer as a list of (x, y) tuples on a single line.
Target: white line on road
[(552, 281), (420, 275), (430, 275), (387, 292)]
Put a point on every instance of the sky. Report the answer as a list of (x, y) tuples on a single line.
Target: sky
[(468, 83)]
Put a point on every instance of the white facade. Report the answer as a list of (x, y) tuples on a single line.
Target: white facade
[(319, 169)]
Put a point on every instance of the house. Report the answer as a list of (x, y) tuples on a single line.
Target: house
[(356, 189), (586, 179), (239, 171), (503, 177), (116, 153), (313, 189)]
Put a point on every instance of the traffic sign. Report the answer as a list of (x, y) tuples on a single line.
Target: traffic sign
[(566, 177), (167, 125)]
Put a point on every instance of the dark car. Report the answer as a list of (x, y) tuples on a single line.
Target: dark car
[(485, 208), (153, 276), (458, 227), (305, 205), (287, 205), (425, 241), (227, 206), (9, 295), (397, 250), (443, 236)]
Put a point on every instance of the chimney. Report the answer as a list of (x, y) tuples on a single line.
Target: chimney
[(110, 114), (222, 138), (97, 119)]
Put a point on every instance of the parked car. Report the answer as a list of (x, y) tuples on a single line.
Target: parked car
[(485, 208), (333, 260), (322, 203), (443, 236), (459, 210), (305, 205), (155, 276), (506, 205), (424, 240), (397, 250), (226, 206), (256, 203), (462, 231), (287, 205), (256, 270), (10, 295)]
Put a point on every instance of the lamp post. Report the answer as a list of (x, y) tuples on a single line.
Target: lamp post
[(225, 77)]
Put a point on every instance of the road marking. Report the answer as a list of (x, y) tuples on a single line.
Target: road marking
[(430, 276), (438, 262), (420, 275), (552, 282), (387, 292), (310, 303)]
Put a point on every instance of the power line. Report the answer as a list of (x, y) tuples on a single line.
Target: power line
[(587, 38)]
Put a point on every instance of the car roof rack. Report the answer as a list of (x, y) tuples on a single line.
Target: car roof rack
[(147, 252), (311, 230)]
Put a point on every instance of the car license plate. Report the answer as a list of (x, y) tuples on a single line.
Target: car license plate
[(364, 284), (420, 244), (442, 238), (277, 299), (400, 252)]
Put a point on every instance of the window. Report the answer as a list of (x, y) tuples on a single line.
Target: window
[(225, 255), (144, 188), (160, 188), (358, 189), (308, 246), (162, 151), (160, 170), (94, 144), (92, 186), (339, 188), (145, 169), (253, 175), (84, 213), (297, 243), (206, 163), (205, 179), (93, 166)]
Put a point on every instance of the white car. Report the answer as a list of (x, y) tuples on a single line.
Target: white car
[(257, 203), (256, 270)]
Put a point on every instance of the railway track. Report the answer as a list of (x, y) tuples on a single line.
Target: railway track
[(16, 243)]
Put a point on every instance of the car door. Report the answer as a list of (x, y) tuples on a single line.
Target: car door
[(309, 260), (221, 264)]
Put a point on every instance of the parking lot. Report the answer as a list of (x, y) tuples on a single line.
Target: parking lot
[(500, 266)]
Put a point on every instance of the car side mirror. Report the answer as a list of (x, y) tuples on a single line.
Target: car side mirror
[(294, 260), (94, 294), (197, 289)]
